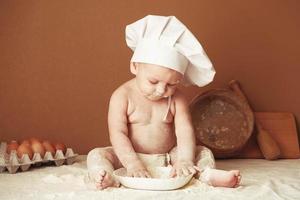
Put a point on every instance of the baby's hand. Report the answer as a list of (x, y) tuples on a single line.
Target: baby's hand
[(139, 172), (183, 168)]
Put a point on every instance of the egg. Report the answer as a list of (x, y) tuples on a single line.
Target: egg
[(60, 146), (33, 140), (13, 145), (24, 149), (49, 147), (37, 147), (27, 142)]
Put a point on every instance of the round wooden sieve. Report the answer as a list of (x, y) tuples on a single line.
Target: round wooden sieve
[(222, 121)]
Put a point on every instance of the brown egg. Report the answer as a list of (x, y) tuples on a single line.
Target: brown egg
[(24, 149), (37, 147), (49, 147), (13, 145), (34, 139), (60, 146), (27, 142)]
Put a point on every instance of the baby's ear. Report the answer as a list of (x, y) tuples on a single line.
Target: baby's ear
[(133, 68)]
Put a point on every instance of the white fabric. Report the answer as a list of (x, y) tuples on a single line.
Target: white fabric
[(167, 42), (261, 179)]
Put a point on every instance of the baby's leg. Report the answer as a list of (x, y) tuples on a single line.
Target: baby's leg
[(101, 162), (204, 157), (218, 178)]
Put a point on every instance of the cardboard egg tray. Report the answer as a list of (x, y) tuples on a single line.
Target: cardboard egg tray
[(12, 163)]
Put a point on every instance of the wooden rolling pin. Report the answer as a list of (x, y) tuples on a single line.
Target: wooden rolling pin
[(267, 144)]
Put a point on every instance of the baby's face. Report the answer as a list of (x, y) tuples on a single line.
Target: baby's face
[(154, 81)]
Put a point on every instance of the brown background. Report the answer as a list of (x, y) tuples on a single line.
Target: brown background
[(61, 60)]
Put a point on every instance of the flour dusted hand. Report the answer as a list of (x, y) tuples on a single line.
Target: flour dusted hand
[(138, 173), (183, 168)]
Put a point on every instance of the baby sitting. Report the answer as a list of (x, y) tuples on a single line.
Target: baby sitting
[(149, 120)]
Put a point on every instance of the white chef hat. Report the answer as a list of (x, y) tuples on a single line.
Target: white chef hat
[(167, 42)]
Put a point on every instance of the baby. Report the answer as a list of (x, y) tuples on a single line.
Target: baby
[(149, 120)]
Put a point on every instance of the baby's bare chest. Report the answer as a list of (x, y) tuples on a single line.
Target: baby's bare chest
[(147, 112)]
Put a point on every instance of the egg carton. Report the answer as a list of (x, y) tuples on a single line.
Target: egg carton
[(12, 162)]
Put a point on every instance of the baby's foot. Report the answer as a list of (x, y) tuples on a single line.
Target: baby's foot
[(221, 178), (105, 180)]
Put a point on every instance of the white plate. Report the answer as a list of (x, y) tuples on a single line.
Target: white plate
[(160, 179)]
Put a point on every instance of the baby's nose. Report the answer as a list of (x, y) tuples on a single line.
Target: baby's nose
[(161, 88)]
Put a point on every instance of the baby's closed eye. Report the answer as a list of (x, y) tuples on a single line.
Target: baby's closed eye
[(152, 81)]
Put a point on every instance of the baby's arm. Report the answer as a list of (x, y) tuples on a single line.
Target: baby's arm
[(118, 132), (186, 142)]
